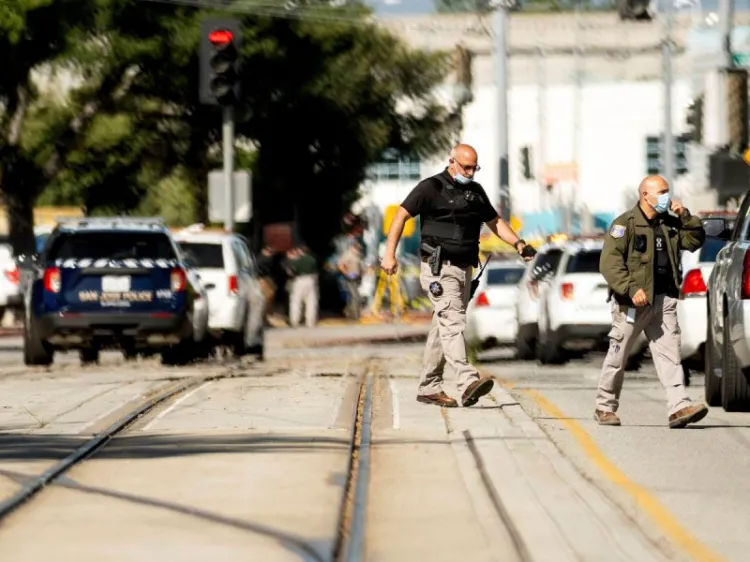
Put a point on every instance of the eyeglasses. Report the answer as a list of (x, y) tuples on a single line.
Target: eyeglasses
[(469, 168)]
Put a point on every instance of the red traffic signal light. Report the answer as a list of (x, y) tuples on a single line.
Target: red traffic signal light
[(220, 37)]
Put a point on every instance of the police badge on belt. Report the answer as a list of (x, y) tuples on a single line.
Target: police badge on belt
[(436, 289)]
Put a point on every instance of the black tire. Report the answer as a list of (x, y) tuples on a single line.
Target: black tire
[(685, 374), (525, 347), (89, 356), (239, 341), (548, 348), (35, 350), (713, 383), (180, 354), (735, 391)]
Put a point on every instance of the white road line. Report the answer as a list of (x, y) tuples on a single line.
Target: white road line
[(173, 406), (111, 411), (394, 400)]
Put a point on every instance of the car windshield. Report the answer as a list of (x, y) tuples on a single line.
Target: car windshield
[(585, 261), (504, 275), (113, 245), (710, 248), (204, 255)]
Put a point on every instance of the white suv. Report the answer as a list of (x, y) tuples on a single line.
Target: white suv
[(229, 274), (574, 311), (538, 273)]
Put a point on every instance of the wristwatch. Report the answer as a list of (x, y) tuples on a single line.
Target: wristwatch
[(519, 241)]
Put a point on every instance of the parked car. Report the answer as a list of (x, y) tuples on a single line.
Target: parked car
[(727, 347), (574, 313), (491, 314), (228, 271), (113, 283), (691, 308), (11, 297), (537, 274)]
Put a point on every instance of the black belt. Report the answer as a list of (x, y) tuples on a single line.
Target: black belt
[(455, 263)]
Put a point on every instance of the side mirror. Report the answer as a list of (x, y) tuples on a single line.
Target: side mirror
[(715, 227)]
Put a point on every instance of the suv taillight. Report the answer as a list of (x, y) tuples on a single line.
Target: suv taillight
[(52, 280), (234, 286), (177, 280), (566, 290), (482, 300), (694, 285), (13, 275), (746, 276)]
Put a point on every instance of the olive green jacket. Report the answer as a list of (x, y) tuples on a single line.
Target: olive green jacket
[(626, 269)]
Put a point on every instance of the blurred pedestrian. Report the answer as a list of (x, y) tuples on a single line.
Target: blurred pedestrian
[(350, 267), (265, 263), (641, 264), (302, 267), (452, 207)]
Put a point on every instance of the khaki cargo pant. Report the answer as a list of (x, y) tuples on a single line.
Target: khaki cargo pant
[(445, 341), (303, 291), (659, 322)]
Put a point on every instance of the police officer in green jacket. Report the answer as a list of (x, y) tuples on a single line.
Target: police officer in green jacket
[(641, 264)]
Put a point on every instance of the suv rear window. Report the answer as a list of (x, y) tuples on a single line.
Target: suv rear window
[(710, 248), (504, 275), (546, 264), (585, 261), (113, 245), (204, 255)]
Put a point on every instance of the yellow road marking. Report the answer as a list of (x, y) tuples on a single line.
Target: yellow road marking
[(666, 522)]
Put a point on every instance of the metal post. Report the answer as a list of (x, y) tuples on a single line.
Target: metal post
[(666, 49), (227, 132), (500, 34), (726, 14), (541, 158)]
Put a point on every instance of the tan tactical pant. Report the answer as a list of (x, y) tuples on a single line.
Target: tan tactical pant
[(303, 291), (659, 322), (445, 342)]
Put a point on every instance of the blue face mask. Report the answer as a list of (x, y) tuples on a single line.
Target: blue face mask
[(463, 180), (662, 203)]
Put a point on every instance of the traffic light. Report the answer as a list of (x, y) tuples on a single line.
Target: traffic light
[(526, 163), (219, 61), (695, 119), (737, 99)]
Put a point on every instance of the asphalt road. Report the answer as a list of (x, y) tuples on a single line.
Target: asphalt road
[(254, 465)]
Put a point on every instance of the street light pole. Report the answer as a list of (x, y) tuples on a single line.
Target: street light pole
[(500, 36)]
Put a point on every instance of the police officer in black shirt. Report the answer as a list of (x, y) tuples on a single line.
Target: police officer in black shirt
[(452, 207)]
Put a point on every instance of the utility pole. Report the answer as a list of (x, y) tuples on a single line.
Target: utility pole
[(541, 74), (227, 133), (666, 46), (500, 35), (577, 118)]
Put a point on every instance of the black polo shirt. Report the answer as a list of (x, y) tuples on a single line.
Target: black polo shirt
[(422, 199), (663, 278)]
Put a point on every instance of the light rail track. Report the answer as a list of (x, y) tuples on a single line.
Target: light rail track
[(348, 543)]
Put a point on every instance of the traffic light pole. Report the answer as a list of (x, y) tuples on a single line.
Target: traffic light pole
[(227, 130), (500, 34), (668, 148)]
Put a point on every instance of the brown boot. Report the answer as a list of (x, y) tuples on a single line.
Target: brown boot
[(439, 399), (606, 418), (476, 390), (688, 414)]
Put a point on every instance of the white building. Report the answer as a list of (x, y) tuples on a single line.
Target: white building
[(585, 93)]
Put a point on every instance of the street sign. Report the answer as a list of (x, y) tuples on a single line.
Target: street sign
[(243, 201)]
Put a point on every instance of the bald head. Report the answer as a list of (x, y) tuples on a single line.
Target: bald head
[(463, 161), (649, 191)]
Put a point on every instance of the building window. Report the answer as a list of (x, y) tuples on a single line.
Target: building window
[(395, 167)]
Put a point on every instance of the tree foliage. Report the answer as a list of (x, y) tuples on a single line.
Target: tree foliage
[(321, 101)]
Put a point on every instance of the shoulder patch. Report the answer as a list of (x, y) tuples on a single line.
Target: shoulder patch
[(617, 231)]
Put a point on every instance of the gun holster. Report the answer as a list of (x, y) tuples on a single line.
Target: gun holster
[(434, 257)]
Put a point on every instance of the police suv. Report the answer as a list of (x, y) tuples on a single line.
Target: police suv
[(113, 283)]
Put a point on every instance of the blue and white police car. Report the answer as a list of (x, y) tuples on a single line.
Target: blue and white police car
[(115, 282)]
